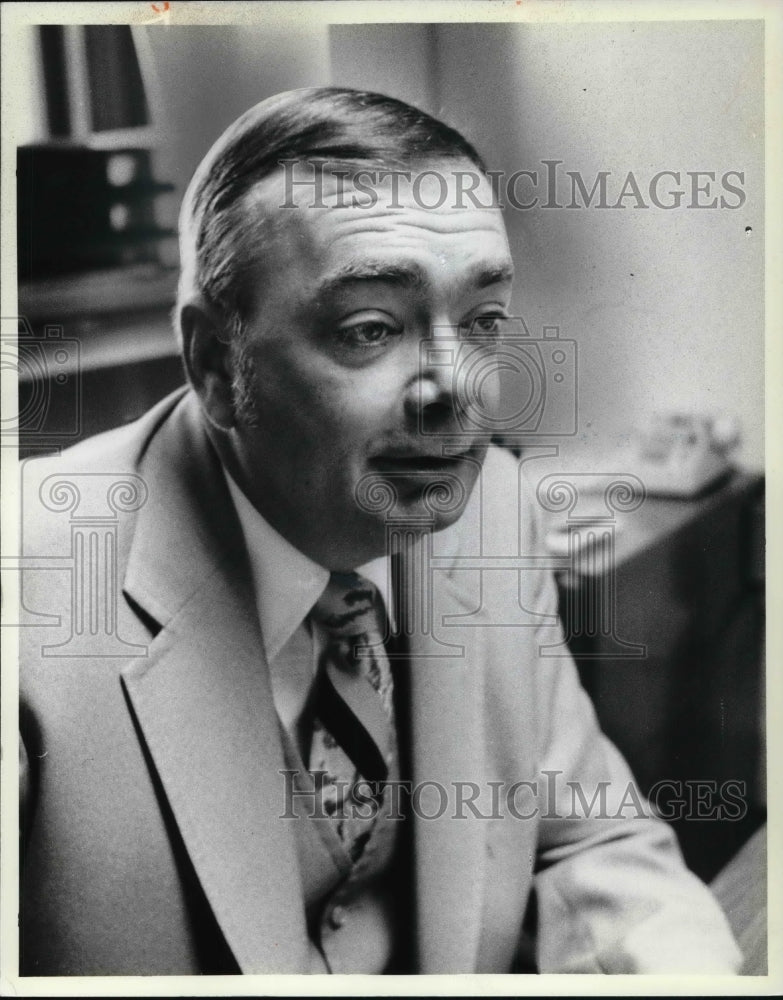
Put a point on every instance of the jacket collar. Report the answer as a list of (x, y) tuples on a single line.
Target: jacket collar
[(203, 701), (187, 528), (446, 712)]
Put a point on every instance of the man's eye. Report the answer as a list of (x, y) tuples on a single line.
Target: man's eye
[(370, 333), (491, 325)]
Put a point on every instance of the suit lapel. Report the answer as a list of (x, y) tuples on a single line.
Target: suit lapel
[(203, 701), (447, 737)]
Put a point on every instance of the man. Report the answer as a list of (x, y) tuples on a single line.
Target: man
[(317, 740)]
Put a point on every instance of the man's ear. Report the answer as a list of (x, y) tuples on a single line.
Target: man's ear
[(206, 351)]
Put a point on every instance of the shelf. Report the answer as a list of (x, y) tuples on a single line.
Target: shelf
[(98, 294)]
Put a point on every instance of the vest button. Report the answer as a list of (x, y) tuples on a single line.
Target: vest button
[(337, 917)]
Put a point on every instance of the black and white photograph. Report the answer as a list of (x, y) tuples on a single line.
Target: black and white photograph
[(385, 440)]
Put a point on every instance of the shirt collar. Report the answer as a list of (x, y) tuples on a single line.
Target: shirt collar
[(287, 582)]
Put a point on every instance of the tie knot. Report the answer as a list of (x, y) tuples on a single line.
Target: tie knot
[(348, 606)]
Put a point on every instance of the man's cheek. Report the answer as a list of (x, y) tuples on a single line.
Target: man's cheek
[(372, 412), (353, 419)]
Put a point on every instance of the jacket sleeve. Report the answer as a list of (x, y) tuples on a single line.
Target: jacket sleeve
[(613, 893)]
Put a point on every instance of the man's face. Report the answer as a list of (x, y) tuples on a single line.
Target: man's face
[(335, 395)]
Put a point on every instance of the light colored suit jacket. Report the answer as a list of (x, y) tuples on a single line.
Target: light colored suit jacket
[(153, 838)]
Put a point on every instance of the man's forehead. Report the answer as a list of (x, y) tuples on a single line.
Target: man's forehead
[(351, 212), (442, 187)]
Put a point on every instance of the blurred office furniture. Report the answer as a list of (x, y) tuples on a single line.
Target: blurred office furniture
[(668, 639), (97, 273), (86, 185), (97, 85), (85, 375), (82, 209), (683, 454)]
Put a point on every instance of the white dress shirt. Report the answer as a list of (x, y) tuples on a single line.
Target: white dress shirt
[(287, 584)]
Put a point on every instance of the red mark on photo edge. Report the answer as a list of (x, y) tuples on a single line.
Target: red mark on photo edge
[(158, 10)]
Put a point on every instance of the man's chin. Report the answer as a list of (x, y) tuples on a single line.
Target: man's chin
[(428, 498), (445, 520)]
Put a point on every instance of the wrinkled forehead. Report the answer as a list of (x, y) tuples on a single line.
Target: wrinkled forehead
[(450, 185), (441, 203)]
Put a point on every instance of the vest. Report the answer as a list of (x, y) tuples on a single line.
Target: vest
[(355, 911)]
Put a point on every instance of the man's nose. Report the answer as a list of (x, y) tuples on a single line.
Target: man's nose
[(434, 397)]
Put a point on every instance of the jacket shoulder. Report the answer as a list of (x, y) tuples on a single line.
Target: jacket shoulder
[(120, 448), (511, 501), (54, 483), (503, 516)]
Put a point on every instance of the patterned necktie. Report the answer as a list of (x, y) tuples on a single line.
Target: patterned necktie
[(353, 732)]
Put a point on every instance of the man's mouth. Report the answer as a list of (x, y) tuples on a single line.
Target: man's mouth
[(405, 462), (413, 475)]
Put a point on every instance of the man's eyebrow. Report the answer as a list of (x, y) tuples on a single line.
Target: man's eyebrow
[(495, 274), (405, 275), (409, 275)]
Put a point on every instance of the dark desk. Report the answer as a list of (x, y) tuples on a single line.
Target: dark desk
[(686, 584)]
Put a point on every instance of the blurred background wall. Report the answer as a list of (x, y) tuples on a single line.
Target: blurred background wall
[(666, 306)]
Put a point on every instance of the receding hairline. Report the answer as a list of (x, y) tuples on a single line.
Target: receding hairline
[(332, 128), (307, 175), (265, 219)]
